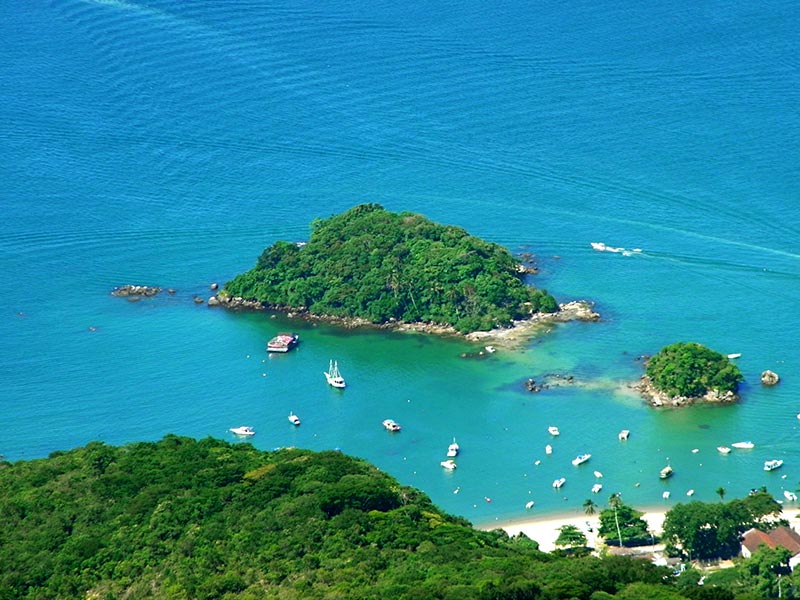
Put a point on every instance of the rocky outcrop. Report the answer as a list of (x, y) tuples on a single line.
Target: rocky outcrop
[(658, 398), (135, 290), (769, 378), (235, 303), (549, 380)]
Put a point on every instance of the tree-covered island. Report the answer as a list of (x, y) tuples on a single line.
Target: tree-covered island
[(370, 265), (686, 372)]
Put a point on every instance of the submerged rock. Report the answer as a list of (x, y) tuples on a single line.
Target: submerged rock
[(769, 377)]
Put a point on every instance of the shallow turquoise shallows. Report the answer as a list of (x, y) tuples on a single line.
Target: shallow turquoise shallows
[(168, 143)]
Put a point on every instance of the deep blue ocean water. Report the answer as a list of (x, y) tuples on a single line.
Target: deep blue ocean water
[(168, 143)]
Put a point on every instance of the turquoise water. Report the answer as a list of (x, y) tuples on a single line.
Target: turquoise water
[(168, 143)]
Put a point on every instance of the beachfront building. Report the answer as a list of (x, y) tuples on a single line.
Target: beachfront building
[(782, 536)]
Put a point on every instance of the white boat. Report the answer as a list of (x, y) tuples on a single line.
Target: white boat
[(623, 435), (690, 493), (490, 349), (666, 472), (580, 459), (771, 465), (553, 430), (244, 430), (665, 495), (559, 482), (743, 445), (448, 464), (548, 449), (391, 425), (596, 488), (283, 342), (333, 376), (598, 474), (790, 496), (723, 449), (529, 504), (735, 355), (452, 449), (294, 419)]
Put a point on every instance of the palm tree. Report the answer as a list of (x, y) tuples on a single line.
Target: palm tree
[(589, 506), (721, 493), (615, 502)]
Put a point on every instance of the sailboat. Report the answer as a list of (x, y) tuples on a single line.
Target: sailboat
[(333, 376)]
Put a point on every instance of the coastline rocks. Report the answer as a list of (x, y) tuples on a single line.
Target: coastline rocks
[(135, 290), (769, 378), (235, 302), (658, 398), (551, 380)]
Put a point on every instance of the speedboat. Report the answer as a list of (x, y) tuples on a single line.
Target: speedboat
[(294, 419), (596, 488), (283, 342), (623, 435), (452, 449), (559, 482), (723, 449), (743, 445), (244, 430), (391, 425), (448, 464), (771, 465), (333, 376), (666, 472), (735, 355), (580, 459), (553, 430)]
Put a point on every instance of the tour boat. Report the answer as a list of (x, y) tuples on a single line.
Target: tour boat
[(391, 425), (580, 459), (623, 435), (448, 464), (333, 376), (771, 465), (553, 430), (743, 445), (666, 472), (596, 488), (559, 482), (244, 430), (294, 419), (723, 449), (452, 449), (283, 342)]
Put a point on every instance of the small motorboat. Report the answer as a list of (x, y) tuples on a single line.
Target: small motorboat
[(623, 435), (771, 465), (596, 488), (665, 495), (790, 496), (580, 459), (723, 449), (453, 449), (490, 349), (391, 425), (244, 431), (448, 464), (559, 482), (735, 355), (529, 505), (548, 449), (294, 419), (553, 430), (666, 472), (598, 474), (690, 493), (748, 445)]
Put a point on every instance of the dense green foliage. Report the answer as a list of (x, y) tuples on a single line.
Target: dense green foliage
[(622, 523), (374, 264), (691, 370), (712, 530), (181, 519)]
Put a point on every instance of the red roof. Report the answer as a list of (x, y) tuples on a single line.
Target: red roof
[(782, 536)]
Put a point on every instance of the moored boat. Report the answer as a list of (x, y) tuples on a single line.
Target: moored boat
[(391, 425), (598, 474), (790, 496), (448, 464), (244, 431), (666, 472), (771, 465), (453, 449), (559, 482), (294, 419), (580, 459), (623, 435), (596, 488), (743, 445), (665, 495), (723, 449), (553, 430), (735, 355), (548, 449), (333, 376), (283, 342)]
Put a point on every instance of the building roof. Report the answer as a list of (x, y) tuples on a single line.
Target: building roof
[(782, 536)]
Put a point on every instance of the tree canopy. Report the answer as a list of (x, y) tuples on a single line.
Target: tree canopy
[(377, 265), (690, 369)]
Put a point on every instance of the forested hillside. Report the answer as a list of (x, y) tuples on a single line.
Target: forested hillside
[(374, 264), (181, 519)]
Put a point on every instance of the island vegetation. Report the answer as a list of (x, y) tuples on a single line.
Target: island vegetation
[(182, 518), (371, 264), (687, 371)]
